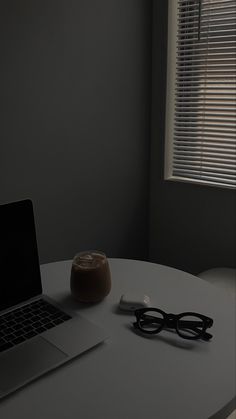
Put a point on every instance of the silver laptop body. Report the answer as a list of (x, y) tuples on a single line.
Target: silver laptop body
[(68, 334)]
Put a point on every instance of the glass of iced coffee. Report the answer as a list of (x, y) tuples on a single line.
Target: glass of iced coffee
[(90, 279)]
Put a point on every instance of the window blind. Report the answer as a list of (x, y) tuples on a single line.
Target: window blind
[(204, 100)]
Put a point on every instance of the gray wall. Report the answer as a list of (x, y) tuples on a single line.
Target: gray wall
[(74, 131), (192, 227)]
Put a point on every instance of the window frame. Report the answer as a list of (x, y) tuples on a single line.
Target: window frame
[(170, 105)]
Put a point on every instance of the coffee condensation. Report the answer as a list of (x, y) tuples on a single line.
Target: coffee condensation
[(90, 280)]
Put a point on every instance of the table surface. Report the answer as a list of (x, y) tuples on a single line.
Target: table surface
[(130, 376)]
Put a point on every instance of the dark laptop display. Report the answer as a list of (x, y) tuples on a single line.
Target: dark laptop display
[(19, 265)]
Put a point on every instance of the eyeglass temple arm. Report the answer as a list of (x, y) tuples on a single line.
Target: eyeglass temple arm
[(194, 324), (207, 336)]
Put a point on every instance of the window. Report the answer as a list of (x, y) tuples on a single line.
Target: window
[(201, 92)]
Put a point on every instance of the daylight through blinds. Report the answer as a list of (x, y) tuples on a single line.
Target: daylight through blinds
[(204, 135)]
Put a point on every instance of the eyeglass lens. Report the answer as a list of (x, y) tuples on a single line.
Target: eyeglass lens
[(190, 326), (151, 321)]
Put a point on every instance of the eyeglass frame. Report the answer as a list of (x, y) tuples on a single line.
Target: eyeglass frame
[(170, 321)]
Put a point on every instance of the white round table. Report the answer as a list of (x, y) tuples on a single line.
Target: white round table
[(130, 376)]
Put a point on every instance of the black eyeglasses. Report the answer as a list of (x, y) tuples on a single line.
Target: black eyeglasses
[(188, 325)]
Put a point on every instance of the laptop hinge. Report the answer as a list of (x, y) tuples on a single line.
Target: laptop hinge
[(21, 304)]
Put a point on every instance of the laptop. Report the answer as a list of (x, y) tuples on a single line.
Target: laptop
[(36, 334)]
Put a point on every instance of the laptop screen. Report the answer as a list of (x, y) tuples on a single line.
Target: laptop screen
[(19, 265)]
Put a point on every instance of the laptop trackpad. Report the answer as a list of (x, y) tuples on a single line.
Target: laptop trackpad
[(26, 362)]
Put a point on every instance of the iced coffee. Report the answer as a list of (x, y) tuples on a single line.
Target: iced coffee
[(90, 278)]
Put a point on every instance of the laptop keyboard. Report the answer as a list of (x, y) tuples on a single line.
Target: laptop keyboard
[(28, 321)]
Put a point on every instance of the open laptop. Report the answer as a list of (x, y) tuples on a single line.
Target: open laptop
[(36, 335)]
